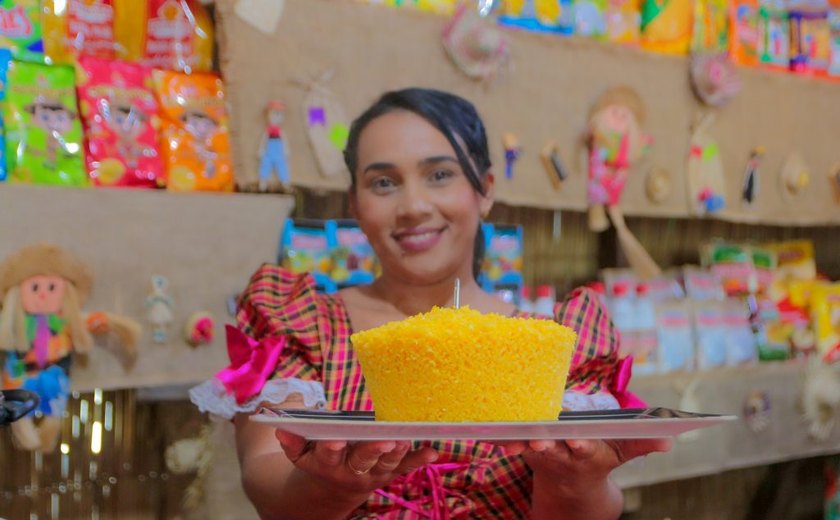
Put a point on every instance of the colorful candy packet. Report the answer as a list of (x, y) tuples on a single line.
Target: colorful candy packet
[(710, 32), (166, 34), (774, 34), (195, 142), (666, 25), (119, 110), (623, 20), (810, 38), (744, 34), (78, 28), (20, 29), (5, 59), (43, 131)]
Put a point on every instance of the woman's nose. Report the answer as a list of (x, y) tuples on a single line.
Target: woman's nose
[(416, 201)]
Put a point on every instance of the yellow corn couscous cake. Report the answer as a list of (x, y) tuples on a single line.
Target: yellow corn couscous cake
[(451, 365)]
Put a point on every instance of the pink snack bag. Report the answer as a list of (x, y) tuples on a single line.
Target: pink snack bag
[(119, 112)]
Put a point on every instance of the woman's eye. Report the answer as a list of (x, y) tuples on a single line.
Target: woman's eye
[(441, 175), (382, 183)]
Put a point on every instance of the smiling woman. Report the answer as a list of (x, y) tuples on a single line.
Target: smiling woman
[(421, 184)]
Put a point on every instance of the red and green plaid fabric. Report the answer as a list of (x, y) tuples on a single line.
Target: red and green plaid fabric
[(481, 481)]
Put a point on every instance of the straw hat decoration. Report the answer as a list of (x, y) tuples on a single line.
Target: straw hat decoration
[(475, 46)]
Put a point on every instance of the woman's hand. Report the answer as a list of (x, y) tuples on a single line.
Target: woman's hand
[(358, 468), (582, 461)]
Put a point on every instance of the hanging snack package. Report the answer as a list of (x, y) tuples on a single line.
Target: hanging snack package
[(623, 19), (666, 25), (194, 136), (78, 28), (834, 44), (825, 319), (744, 35), (710, 32), (43, 131), (353, 258), (20, 29), (5, 59), (165, 34), (774, 34), (118, 110)]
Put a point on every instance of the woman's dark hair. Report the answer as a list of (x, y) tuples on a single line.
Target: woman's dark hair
[(455, 117)]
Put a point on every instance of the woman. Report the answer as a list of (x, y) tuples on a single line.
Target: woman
[(421, 183)]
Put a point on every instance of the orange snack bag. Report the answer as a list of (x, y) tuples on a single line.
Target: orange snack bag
[(78, 27), (195, 143), (165, 34), (744, 35)]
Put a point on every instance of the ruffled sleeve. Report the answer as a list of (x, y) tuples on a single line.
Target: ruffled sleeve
[(276, 348), (598, 377)]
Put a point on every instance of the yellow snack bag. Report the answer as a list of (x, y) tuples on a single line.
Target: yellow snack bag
[(165, 34), (666, 25), (825, 319), (195, 143), (78, 27)]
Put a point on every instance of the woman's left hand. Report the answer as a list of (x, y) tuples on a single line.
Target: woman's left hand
[(580, 462)]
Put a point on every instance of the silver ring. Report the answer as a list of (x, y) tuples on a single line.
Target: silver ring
[(355, 471)]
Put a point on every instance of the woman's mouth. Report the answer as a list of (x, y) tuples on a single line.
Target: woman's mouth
[(418, 240)]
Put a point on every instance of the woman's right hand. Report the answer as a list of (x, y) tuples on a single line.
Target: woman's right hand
[(356, 468)]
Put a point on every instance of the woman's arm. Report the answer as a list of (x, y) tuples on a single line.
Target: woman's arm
[(287, 478), (276, 488)]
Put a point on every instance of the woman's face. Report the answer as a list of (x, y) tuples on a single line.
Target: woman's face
[(414, 201)]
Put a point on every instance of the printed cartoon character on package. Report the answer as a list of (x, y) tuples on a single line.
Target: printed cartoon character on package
[(502, 266), (353, 259)]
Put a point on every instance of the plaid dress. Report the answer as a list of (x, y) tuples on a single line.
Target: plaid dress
[(470, 479)]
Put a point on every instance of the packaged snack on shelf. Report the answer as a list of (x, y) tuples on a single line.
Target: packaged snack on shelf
[(741, 346), (825, 317), (674, 336), (166, 34), (118, 109), (771, 342), (555, 16), (619, 281), (810, 38), (503, 253), (305, 247), (75, 28), (794, 259), (646, 342), (353, 259), (5, 59), (834, 29), (701, 284), (666, 26), (195, 145), (774, 34), (507, 292), (743, 32), (20, 29), (710, 29), (710, 333), (741, 269), (43, 131), (623, 20), (590, 18)]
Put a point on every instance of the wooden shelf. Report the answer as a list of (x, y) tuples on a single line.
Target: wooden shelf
[(732, 445)]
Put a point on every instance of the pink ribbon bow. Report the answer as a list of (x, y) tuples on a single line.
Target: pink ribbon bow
[(251, 363), (618, 385), (427, 479)]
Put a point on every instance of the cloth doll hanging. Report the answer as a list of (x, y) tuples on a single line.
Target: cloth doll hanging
[(616, 141), (42, 328)]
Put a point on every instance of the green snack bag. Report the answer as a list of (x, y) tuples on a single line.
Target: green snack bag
[(20, 29), (43, 131)]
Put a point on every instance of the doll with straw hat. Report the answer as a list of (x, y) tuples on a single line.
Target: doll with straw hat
[(43, 289)]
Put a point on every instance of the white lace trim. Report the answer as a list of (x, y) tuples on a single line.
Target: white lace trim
[(211, 396), (578, 402)]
